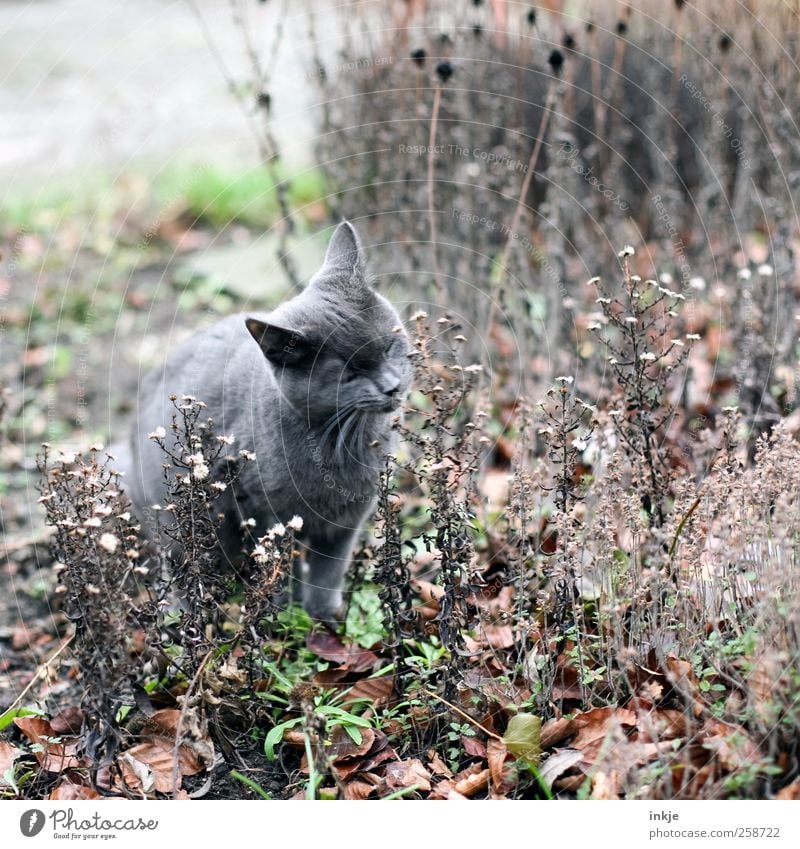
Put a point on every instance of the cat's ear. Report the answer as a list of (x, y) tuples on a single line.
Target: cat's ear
[(345, 255), (280, 345)]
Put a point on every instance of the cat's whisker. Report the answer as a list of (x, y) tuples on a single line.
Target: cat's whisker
[(344, 432), (362, 432), (336, 419)]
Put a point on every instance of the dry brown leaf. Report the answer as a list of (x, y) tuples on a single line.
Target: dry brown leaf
[(438, 766), (680, 674), (378, 690), (503, 774), (431, 594), (410, 773), (294, 737), (496, 753), (68, 721), (53, 757), (333, 677), (195, 742), (157, 754), (761, 682), (566, 683), (556, 730), (454, 796), (472, 784), (620, 754), (558, 763), (474, 747), (570, 783), (343, 747), (68, 791), (443, 788), (497, 636), (358, 790), (328, 646), (595, 724), (137, 775), (379, 752), (163, 723)]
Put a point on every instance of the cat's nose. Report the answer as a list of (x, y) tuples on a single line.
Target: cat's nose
[(391, 391)]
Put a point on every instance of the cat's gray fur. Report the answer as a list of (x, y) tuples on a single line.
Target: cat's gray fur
[(311, 389)]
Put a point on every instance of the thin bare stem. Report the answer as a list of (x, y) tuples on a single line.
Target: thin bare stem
[(437, 101), (523, 194)]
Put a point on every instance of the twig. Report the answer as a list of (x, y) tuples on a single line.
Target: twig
[(686, 516), (526, 184), (182, 716), (39, 672), (461, 713), (267, 146), (437, 100)]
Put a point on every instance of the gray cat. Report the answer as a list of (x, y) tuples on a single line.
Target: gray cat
[(311, 389)]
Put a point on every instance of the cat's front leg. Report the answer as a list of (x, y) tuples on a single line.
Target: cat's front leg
[(328, 559)]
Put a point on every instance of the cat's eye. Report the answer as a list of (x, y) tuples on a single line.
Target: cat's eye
[(349, 376)]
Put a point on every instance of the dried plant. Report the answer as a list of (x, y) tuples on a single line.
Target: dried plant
[(198, 468), (644, 355), (275, 559), (99, 564)]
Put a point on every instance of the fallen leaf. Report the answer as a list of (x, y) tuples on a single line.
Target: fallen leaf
[(163, 723), (472, 784), (556, 730), (496, 752), (596, 724), (195, 742), (379, 752), (473, 746), (68, 791), (668, 724), (68, 721), (570, 783), (158, 755), (438, 766), (342, 746), (328, 646), (358, 790), (523, 737), (558, 763), (137, 775), (469, 779), (410, 773), (680, 674), (52, 756), (497, 636), (503, 775), (378, 690), (431, 594)]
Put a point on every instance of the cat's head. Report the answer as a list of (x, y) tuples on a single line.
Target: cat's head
[(338, 346)]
